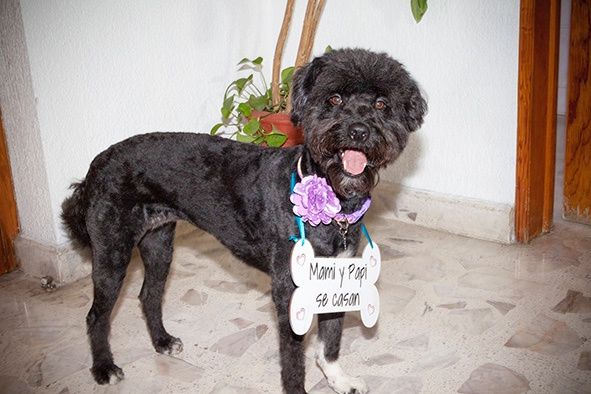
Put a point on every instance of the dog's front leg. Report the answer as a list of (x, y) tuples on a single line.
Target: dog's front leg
[(291, 346), (330, 329)]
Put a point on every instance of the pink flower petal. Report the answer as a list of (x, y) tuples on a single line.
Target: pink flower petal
[(300, 211), (326, 220), (295, 199), (314, 221)]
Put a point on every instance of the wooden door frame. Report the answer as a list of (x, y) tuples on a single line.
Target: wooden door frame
[(577, 172), (9, 227), (539, 28)]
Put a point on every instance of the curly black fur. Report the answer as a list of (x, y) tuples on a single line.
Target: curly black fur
[(136, 190), (74, 215), (360, 78)]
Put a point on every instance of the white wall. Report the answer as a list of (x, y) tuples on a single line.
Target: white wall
[(102, 71), (565, 7), (23, 134), (465, 55)]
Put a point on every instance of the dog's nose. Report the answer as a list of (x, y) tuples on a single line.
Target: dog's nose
[(358, 132)]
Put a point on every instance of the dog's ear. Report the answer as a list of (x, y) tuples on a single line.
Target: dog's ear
[(415, 109), (303, 81)]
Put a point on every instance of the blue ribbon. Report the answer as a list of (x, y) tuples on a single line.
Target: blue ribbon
[(366, 233), (298, 219)]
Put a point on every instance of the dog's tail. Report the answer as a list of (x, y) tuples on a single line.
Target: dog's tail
[(73, 215)]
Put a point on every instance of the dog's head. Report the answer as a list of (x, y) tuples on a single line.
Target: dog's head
[(357, 109)]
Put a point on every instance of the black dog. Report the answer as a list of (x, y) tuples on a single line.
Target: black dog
[(357, 109)]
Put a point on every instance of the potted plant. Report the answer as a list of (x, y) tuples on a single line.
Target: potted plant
[(260, 114), (250, 112)]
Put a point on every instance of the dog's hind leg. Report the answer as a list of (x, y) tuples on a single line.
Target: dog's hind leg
[(330, 329), (156, 250), (109, 265)]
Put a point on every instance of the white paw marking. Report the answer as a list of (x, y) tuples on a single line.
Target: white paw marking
[(346, 384), (115, 377), (176, 347), (337, 379)]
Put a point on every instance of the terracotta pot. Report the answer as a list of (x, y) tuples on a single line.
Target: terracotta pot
[(281, 121)]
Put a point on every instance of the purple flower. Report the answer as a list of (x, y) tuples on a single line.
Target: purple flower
[(314, 200)]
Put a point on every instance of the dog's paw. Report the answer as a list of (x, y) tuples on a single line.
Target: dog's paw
[(348, 385), (176, 347), (170, 346), (107, 373)]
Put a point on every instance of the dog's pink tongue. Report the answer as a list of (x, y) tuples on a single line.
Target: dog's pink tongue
[(354, 161)]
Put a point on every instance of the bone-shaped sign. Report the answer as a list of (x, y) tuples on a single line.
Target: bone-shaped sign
[(333, 284)]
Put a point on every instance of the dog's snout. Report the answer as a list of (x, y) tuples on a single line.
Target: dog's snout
[(358, 132)]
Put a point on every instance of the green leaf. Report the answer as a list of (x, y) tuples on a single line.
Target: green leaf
[(245, 138), (242, 82), (275, 140), (254, 62), (258, 103), (287, 74), (328, 49), (418, 8), (245, 109), (252, 127), (227, 107), (214, 129)]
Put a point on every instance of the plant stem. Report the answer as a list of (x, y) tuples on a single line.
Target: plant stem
[(264, 81), (313, 28), (311, 19), (279, 51), (256, 91)]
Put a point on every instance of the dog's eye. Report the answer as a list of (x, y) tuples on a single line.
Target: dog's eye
[(380, 104), (335, 100)]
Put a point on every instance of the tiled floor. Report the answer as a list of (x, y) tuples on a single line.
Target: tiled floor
[(458, 315)]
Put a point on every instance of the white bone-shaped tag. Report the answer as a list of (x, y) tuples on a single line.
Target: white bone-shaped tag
[(333, 284)]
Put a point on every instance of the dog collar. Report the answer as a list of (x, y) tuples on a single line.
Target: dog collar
[(315, 201)]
